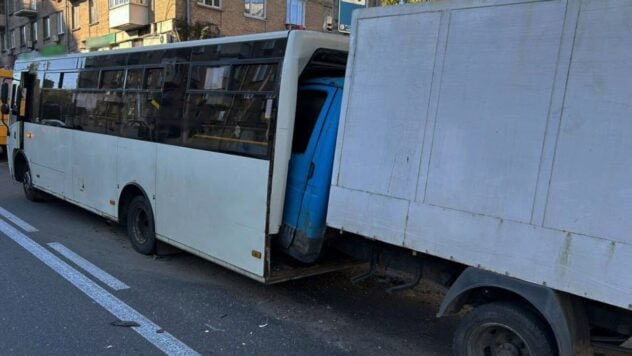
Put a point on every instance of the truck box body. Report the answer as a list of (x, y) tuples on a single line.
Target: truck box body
[(497, 134)]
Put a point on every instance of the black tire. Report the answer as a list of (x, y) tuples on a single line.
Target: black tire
[(503, 328), (30, 192), (140, 226)]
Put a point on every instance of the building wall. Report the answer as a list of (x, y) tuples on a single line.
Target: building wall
[(228, 20), (231, 20)]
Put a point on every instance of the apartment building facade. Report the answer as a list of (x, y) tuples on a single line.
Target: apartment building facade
[(48, 27)]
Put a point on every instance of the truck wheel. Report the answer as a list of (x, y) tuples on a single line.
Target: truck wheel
[(140, 226), (31, 193), (502, 328)]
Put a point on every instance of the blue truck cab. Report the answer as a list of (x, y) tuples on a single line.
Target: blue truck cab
[(310, 168)]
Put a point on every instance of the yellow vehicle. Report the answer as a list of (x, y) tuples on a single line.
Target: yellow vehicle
[(6, 75)]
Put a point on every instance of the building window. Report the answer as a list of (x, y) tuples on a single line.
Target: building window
[(295, 13), (46, 27), (255, 8), (75, 16), (23, 36), (94, 18), (12, 38), (34, 31), (211, 3), (3, 40), (115, 3), (61, 26)]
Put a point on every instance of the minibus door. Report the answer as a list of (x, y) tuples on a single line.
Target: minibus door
[(22, 107), (21, 94)]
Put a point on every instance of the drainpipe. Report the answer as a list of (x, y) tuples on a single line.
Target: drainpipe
[(68, 30), (188, 14), (6, 35)]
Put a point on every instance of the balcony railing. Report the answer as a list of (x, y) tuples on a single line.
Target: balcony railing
[(115, 3), (25, 8)]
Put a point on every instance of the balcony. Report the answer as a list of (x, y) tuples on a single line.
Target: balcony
[(128, 14), (25, 8)]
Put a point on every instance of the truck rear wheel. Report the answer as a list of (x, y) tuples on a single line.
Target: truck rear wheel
[(502, 328), (140, 226)]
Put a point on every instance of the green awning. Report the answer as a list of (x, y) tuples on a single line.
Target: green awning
[(54, 50), (101, 41)]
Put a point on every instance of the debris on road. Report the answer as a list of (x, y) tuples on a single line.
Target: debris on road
[(125, 323), (213, 328)]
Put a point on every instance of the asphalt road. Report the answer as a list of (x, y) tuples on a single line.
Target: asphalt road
[(202, 306)]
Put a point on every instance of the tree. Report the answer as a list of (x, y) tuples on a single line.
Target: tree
[(196, 31)]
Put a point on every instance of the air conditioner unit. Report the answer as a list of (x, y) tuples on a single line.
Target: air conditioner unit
[(166, 38), (55, 38), (328, 24)]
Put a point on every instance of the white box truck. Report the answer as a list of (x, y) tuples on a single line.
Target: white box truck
[(497, 135)]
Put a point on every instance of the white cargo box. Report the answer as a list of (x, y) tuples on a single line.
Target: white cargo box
[(497, 134)]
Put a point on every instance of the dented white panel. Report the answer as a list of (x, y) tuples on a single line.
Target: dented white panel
[(214, 205), (381, 153), (498, 74), (373, 215), (591, 187)]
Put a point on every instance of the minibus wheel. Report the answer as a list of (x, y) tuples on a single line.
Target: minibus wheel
[(31, 193), (140, 226)]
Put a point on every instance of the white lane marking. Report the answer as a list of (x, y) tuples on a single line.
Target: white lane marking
[(147, 329), (17, 221), (87, 266)]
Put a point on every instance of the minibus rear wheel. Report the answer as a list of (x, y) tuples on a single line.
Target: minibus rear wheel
[(140, 226)]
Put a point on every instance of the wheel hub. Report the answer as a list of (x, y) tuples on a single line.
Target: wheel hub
[(498, 340), (141, 226), (507, 349), (27, 181)]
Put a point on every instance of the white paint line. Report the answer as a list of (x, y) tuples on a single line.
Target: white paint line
[(147, 329), (87, 266), (17, 221)]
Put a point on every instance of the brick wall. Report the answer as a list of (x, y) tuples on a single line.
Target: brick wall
[(315, 14)]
